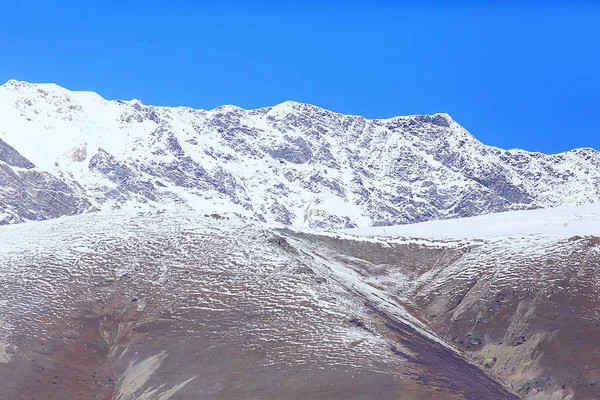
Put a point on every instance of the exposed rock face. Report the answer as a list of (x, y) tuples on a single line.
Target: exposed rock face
[(28, 194), (292, 163), (11, 157)]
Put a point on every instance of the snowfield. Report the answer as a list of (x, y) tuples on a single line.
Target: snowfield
[(554, 223)]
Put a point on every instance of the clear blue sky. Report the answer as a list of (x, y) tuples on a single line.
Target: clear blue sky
[(515, 73)]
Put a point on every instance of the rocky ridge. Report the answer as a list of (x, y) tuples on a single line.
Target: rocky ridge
[(64, 153)]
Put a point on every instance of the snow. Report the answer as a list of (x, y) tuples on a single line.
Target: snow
[(388, 171), (560, 222), (203, 265)]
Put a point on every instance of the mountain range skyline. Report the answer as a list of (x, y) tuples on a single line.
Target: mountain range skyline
[(292, 163), (519, 74)]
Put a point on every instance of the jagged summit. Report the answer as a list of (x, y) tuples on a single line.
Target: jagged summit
[(285, 106), (15, 83), (292, 163), (24, 85)]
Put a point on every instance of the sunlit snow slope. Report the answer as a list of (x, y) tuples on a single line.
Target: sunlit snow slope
[(558, 223)]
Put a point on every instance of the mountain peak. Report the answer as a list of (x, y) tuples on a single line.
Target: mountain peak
[(290, 103), (16, 84), (292, 163), (291, 106), (288, 106)]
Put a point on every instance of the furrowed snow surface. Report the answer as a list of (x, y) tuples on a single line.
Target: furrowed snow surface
[(131, 305), (252, 298)]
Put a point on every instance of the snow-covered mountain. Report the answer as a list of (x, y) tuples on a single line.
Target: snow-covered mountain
[(518, 292), (64, 152), (211, 282), (557, 223)]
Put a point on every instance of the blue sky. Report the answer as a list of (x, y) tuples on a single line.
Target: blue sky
[(515, 73)]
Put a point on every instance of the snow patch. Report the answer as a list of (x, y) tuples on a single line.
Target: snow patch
[(556, 223)]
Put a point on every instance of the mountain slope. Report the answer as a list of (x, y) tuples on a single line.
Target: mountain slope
[(517, 292), (168, 305), (185, 304), (292, 163)]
